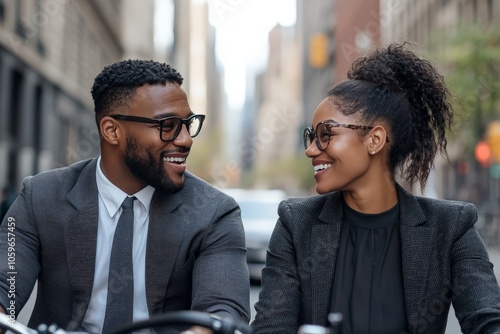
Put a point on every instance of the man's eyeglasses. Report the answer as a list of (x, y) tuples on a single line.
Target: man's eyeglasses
[(324, 131), (169, 127)]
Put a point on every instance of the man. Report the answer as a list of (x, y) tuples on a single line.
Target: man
[(188, 240)]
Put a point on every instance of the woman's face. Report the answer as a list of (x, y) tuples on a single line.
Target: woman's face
[(344, 164)]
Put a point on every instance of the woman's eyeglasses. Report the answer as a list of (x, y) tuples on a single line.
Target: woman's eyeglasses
[(169, 127), (324, 131)]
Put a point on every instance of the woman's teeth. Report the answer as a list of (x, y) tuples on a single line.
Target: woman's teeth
[(317, 168)]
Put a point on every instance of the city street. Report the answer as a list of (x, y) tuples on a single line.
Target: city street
[(157, 106)]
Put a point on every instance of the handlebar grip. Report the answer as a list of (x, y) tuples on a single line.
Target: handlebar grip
[(14, 326), (335, 320), (312, 329)]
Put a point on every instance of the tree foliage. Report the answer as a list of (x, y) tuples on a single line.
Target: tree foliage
[(469, 58)]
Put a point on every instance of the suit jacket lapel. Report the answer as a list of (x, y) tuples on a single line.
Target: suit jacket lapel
[(165, 234), (416, 244), (325, 241), (81, 238)]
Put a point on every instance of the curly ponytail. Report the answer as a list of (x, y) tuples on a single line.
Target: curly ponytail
[(395, 86)]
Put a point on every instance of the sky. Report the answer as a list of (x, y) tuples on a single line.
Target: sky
[(242, 28), (242, 38)]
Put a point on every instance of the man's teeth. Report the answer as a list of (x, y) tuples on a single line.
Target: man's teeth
[(321, 167), (175, 160)]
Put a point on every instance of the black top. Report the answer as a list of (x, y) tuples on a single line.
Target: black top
[(368, 281)]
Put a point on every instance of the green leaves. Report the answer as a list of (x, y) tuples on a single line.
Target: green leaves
[(469, 58)]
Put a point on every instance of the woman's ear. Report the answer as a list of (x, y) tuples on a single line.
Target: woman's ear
[(376, 139), (110, 130)]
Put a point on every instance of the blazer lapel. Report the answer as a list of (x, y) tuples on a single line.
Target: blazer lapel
[(81, 238), (324, 245), (416, 247), (165, 234)]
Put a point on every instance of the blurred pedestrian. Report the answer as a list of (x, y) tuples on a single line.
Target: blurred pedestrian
[(176, 242), (388, 261)]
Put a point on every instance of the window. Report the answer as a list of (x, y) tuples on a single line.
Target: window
[(490, 10), (474, 11), (15, 105), (13, 167), (40, 46), (20, 27), (37, 125), (2, 12), (460, 13)]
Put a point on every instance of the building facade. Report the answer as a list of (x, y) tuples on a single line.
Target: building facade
[(357, 30), (193, 54), (278, 119), (416, 21), (50, 52), (316, 24)]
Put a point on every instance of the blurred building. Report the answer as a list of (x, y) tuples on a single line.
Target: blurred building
[(357, 30), (50, 52), (416, 20), (304, 62), (137, 30), (279, 116), (346, 29), (316, 24), (193, 54)]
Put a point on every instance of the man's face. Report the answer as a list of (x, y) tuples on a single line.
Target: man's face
[(151, 160)]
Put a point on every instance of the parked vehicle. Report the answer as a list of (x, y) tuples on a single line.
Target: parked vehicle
[(259, 214)]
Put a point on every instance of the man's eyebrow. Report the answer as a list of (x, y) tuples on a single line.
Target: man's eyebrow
[(170, 114)]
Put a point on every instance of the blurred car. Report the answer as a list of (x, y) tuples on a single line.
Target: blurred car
[(259, 214)]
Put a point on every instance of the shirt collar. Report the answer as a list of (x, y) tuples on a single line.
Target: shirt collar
[(113, 197)]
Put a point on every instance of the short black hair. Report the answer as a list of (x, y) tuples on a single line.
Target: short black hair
[(116, 84)]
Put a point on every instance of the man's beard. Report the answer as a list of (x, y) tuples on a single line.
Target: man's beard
[(148, 168)]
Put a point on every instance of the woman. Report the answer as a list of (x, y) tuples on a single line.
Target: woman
[(389, 261)]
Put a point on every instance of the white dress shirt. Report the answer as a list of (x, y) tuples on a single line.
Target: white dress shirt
[(110, 201)]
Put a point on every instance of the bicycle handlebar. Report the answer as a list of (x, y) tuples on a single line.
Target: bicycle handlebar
[(190, 318), (193, 318), (335, 327), (15, 327)]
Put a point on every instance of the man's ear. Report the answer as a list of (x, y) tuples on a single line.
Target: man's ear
[(110, 131), (377, 139)]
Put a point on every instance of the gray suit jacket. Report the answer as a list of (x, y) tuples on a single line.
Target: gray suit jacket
[(195, 256), (444, 261)]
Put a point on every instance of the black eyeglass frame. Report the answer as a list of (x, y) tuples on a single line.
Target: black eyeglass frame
[(310, 134), (160, 122)]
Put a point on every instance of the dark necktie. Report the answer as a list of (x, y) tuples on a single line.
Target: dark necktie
[(119, 306)]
